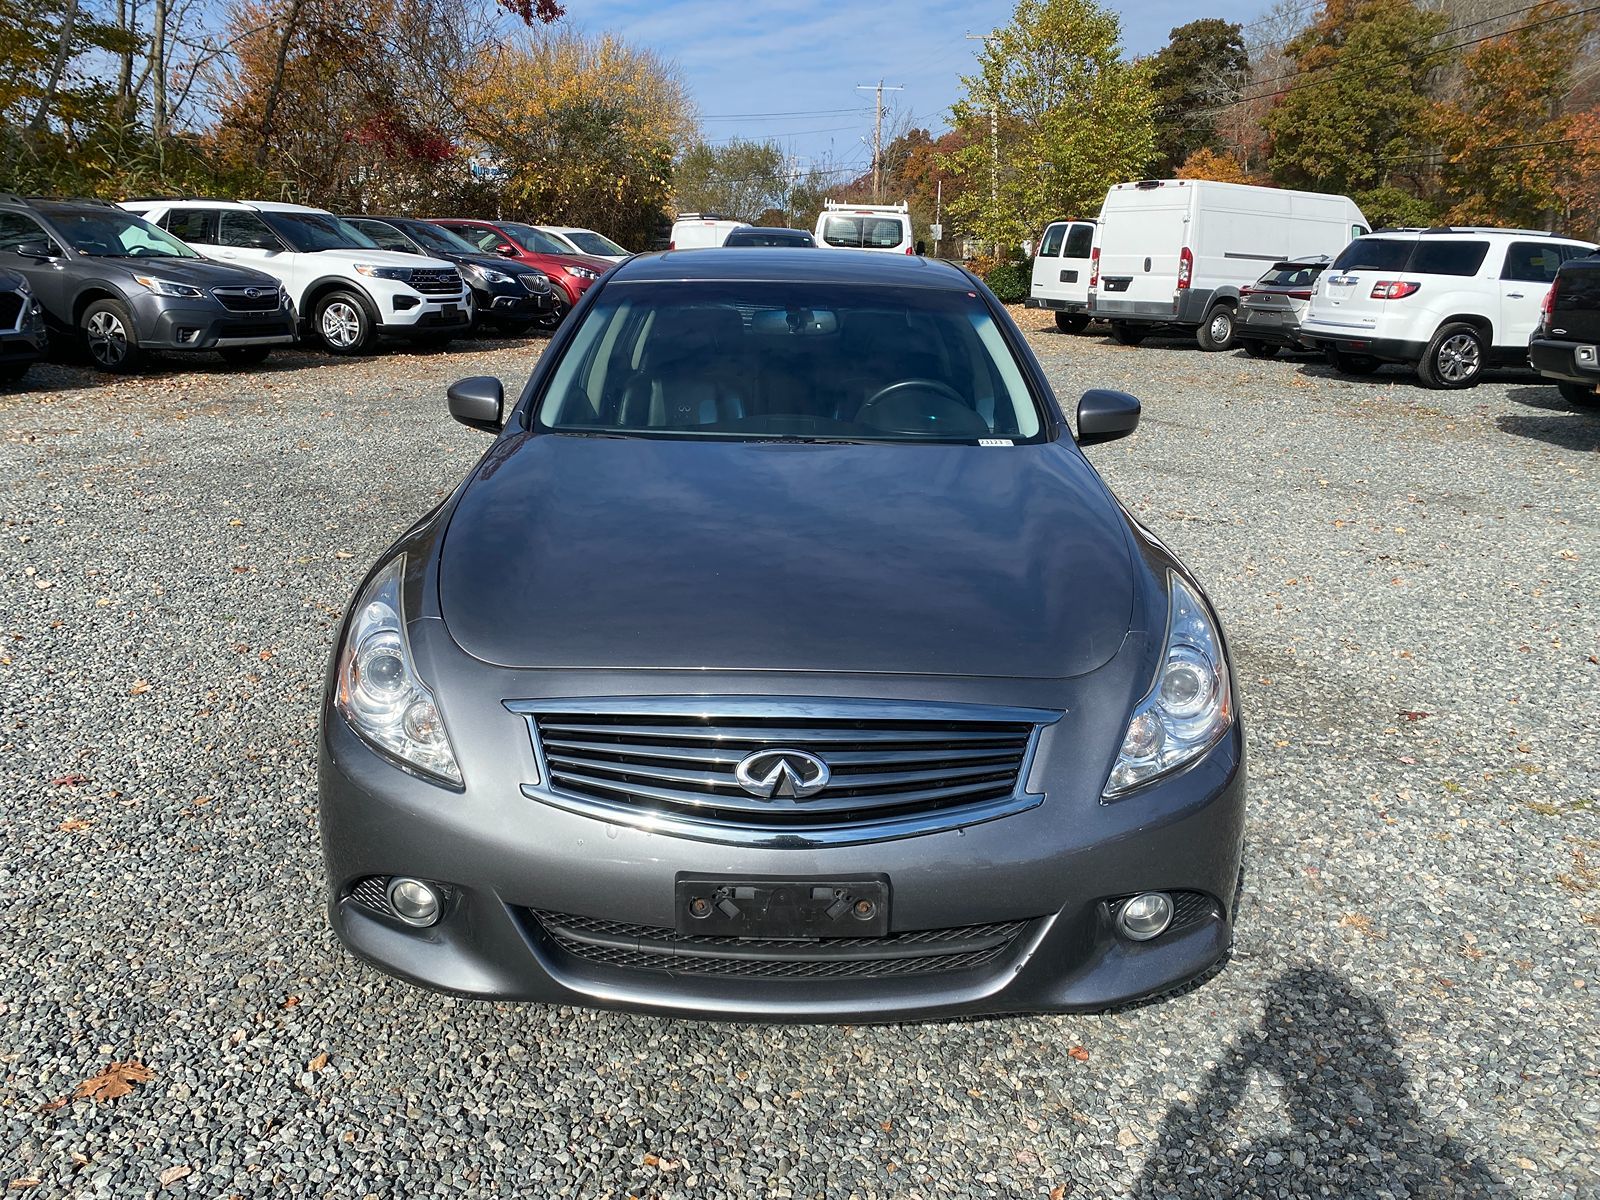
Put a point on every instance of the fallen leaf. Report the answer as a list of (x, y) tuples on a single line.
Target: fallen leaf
[(52, 1105), (651, 1160), (139, 688), (265, 655), (1407, 759), (72, 780), (343, 554), (1059, 1192), (317, 1063), (27, 1181), (1079, 1053), (115, 1081), (290, 1001), (173, 1174), (74, 825), (1412, 715)]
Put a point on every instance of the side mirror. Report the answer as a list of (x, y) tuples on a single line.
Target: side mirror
[(35, 250), (476, 402), (1105, 416), (507, 249), (922, 247)]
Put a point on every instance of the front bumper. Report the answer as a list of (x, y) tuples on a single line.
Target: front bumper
[(1572, 362), (1050, 868), (26, 342), (169, 325), (511, 304)]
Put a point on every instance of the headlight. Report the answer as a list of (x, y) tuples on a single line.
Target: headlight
[(1188, 708), (583, 273), (283, 297), (379, 691), (168, 287), (398, 274), (485, 274)]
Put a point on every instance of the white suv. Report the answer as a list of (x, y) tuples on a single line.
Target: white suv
[(1449, 302), (346, 290)]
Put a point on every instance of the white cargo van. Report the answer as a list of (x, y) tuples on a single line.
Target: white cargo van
[(1061, 273), (695, 231), (1175, 253), (885, 228)]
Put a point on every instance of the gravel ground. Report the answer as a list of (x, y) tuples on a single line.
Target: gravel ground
[(1408, 580)]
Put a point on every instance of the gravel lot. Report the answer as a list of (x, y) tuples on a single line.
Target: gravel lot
[(1408, 578)]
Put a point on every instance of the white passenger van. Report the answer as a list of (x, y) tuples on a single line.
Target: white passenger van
[(695, 231), (885, 228), (1061, 273), (1174, 253)]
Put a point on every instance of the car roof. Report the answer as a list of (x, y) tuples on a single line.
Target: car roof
[(246, 205), (802, 263), (1465, 231)]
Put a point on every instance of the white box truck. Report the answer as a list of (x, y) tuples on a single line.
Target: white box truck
[(1061, 273), (1174, 253), (701, 231)]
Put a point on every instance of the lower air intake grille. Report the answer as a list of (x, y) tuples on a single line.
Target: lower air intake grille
[(649, 948)]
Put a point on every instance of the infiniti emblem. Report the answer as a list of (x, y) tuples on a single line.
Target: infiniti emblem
[(774, 774)]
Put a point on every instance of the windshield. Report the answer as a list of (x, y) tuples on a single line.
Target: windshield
[(790, 362), (115, 234), (317, 231), (437, 237), (536, 240), (591, 242)]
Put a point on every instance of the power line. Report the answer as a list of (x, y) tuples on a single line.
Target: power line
[(1491, 151), (775, 116)]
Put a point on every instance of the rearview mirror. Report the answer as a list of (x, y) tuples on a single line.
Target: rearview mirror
[(507, 249), (35, 250), (1105, 416), (476, 402)]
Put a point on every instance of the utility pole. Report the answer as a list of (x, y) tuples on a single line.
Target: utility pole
[(877, 135), (994, 143)]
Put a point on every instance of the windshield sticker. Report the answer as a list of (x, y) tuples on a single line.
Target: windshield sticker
[(995, 442)]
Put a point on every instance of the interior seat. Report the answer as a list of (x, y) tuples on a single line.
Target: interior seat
[(690, 371)]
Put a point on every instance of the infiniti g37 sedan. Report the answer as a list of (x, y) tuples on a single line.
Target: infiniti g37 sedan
[(784, 658)]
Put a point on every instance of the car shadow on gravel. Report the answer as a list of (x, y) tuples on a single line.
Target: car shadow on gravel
[(1351, 1127), (1551, 419)]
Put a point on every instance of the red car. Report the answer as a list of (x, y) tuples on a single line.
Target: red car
[(571, 273)]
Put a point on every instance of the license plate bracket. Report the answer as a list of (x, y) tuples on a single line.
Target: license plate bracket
[(770, 907)]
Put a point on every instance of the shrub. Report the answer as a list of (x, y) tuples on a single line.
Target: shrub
[(1009, 281)]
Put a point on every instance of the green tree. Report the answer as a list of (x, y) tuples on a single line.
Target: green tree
[(1199, 69), (1505, 138), (1354, 102), (739, 179), (1073, 118)]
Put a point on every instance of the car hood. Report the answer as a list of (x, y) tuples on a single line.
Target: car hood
[(567, 551), (382, 258), (198, 272)]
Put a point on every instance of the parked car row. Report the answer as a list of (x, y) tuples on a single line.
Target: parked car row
[(880, 228), (242, 278), (1185, 255)]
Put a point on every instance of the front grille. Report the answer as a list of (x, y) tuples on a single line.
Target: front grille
[(239, 299), (11, 309), (904, 762), (435, 281), (1188, 908), (649, 948), (535, 283)]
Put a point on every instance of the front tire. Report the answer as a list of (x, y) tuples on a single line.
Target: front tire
[(1071, 322), (342, 324), (1346, 363), (1127, 335), (1217, 331), (1579, 394), (110, 337), (1259, 349), (245, 356), (551, 321), (1454, 359)]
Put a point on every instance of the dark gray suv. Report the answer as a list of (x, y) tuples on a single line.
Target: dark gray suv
[(125, 288)]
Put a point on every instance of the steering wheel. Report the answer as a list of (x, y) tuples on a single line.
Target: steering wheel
[(940, 409)]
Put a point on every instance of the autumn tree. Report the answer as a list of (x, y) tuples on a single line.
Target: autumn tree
[(582, 130), (1348, 114), (1197, 73), (1206, 163), (739, 179), (1073, 118), (1510, 152)]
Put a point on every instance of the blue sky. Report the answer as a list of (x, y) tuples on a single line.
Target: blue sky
[(745, 61)]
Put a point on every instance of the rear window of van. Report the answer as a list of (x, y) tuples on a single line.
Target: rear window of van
[(863, 233)]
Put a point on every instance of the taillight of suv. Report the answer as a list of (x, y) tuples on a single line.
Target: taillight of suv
[(1393, 289), (1547, 308)]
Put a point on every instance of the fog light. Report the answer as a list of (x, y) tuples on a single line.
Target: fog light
[(413, 901), (1145, 916)]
